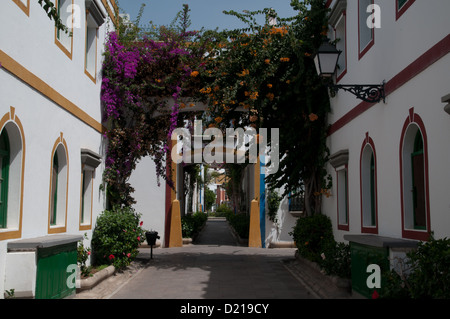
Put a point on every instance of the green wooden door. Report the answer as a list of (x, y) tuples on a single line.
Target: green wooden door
[(362, 256), (53, 272)]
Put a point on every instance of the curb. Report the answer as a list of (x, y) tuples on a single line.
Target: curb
[(89, 283), (319, 284)]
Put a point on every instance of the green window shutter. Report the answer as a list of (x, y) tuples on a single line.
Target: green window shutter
[(372, 190), (4, 178), (54, 202)]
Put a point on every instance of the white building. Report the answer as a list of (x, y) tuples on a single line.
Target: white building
[(412, 57), (390, 160), (51, 132)]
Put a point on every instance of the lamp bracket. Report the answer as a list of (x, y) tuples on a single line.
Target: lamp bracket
[(371, 93)]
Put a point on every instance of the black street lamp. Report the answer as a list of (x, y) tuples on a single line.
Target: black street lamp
[(326, 61)]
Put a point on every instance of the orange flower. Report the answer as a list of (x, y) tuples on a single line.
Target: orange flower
[(307, 54), (254, 95), (244, 73), (269, 86), (313, 117), (218, 119), (270, 96), (267, 61), (194, 74), (284, 59), (205, 91)]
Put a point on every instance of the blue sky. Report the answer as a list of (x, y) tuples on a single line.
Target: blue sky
[(204, 13)]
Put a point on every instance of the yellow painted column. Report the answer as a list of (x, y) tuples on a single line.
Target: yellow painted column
[(176, 237), (254, 236)]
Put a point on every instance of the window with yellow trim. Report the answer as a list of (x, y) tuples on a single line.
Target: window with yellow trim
[(64, 40), (91, 46), (58, 189), (11, 176)]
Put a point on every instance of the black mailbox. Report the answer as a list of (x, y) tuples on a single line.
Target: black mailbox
[(151, 240)]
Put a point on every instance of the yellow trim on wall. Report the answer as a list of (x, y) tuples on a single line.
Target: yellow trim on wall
[(17, 233), (36, 83), (25, 8), (60, 229)]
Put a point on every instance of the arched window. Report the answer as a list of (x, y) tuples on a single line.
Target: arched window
[(12, 162), (368, 187), (58, 187), (414, 179)]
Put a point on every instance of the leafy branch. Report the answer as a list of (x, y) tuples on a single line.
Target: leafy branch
[(53, 14)]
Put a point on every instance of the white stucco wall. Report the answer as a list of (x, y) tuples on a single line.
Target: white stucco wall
[(397, 45), (30, 41), (150, 199)]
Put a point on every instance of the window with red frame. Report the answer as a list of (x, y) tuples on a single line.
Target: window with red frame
[(365, 33), (401, 6)]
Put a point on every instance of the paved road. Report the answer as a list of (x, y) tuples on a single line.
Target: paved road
[(214, 267)]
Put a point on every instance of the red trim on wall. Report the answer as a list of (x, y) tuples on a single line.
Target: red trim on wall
[(368, 141), (327, 5), (399, 13), (414, 118), (370, 44), (438, 51)]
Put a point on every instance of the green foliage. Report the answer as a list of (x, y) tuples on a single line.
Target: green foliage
[(425, 275), (191, 224), (52, 13), (313, 235), (273, 202), (117, 236), (225, 209), (82, 257), (210, 198), (314, 238), (336, 260), (240, 223)]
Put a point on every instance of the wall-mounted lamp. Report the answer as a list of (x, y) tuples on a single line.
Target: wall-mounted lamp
[(326, 61)]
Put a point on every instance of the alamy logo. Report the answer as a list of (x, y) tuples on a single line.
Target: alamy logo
[(374, 279), (374, 19), (73, 279), (241, 146)]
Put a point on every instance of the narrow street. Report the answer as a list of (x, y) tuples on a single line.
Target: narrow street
[(214, 267)]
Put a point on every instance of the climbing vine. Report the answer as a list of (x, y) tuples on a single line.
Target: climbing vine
[(259, 76)]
